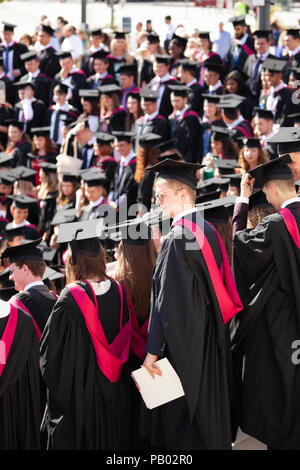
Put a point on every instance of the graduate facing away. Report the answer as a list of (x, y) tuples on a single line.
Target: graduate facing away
[(193, 297)]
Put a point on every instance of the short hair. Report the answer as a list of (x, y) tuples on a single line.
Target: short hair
[(168, 17), (230, 113), (283, 185), (177, 185), (36, 267)]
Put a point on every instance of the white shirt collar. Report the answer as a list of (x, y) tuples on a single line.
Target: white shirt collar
[(164, 78), (191, 83), (243, 40), (96, 203), (4, 309), (262, 56), (101, 75), (290, 201), (126, 160), (10, 44), (149, 117), (279, 87), (33, 284), (23, 224), (236, 122), (216, 86), (183, 214), (295, 51)]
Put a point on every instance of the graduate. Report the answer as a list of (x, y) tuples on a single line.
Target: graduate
[(160, 83), (96, 189), (89, 401), (19, 381), (42, 83), (266, 267), (188, 73), (19, 210), (49, 63), (287, 140), (12, 51), (188, 314), (152, 121)]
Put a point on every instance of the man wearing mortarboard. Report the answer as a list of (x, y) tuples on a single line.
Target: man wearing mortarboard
[(100, 75), (279, 98), (70, 76), (292, 43), (49, 63), (265, 129), (188, 74), (30, 111), (152, 121), (6, 89), (160, 82), (266, 263), (242, 45), (97, 45), (13, 65), (41, 81), (253, 64)]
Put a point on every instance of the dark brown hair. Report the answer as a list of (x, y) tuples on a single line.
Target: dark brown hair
[(135, 267), (37, 267), (49, 147), (61, 198), (86, 267)]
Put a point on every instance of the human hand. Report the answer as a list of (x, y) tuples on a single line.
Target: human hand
[(246, 185), (149, 363)]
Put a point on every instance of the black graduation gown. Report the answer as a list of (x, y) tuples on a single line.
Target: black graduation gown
[(10, 92), (48, 208), (49, 62), (147, 71), (94, 84), (266, 267), (244, 52), (145, 189), (19, 389), (39, 111), (285, 107), (186, 327), (195, 99), (127, 185), (78, 80), (115, 64), (20, 152), (42, 85), (188, 132), (249, 70), (158, 125), (86, 63), (5, 113), (108, 167), (85, 410), (115, 122), (165, 107)]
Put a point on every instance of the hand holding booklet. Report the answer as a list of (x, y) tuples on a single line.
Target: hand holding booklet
[(160, 390)]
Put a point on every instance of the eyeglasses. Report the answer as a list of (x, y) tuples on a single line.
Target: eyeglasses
[(161, 196)]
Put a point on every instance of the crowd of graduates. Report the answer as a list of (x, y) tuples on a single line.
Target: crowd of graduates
[(79, 133)]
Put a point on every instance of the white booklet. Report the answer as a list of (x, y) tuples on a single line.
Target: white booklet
[(160, 390)]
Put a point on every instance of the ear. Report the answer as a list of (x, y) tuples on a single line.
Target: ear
[(274, 189)]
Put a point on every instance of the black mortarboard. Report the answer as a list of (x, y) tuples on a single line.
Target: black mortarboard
[(230, 101), (171, 156), (179, 90), (89, 95), (163, 59), (235, 179), (120, 34), (250, 142), (226, 165), (218, 210), (132, 232), (149, 140), (263, 113), (122, 135), (134, 93), (103, 137), (8, 26), (295, 116), (47, 29), (177, 170), (82, 237), (70, 177), (11, 233), (15, 123), (7, 289), (61, 88), (24, 251), (274, 65), (23, 173), (295, 32), (153, 38), (96, 32), (167, 145), (149, 95), (258, 199), (64, 216), (211, 184), (221, 134), (276, 169), (262, 33), (288, 140), (238, 20), (48, 167), (47, 252), (205, 197), (108, 89), (6, 160), (211, 98), (63, 54), (30, 55), (189, 64), (180, 41), (22, 201), (69, 120), (22, 84), (41, 131), (7, 178), (51, 274), (100, 55), (127, 70), (204, 35), (95, 178), (212, 66)]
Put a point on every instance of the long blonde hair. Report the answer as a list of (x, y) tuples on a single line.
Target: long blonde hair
[(48, 186), (128, 57)]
